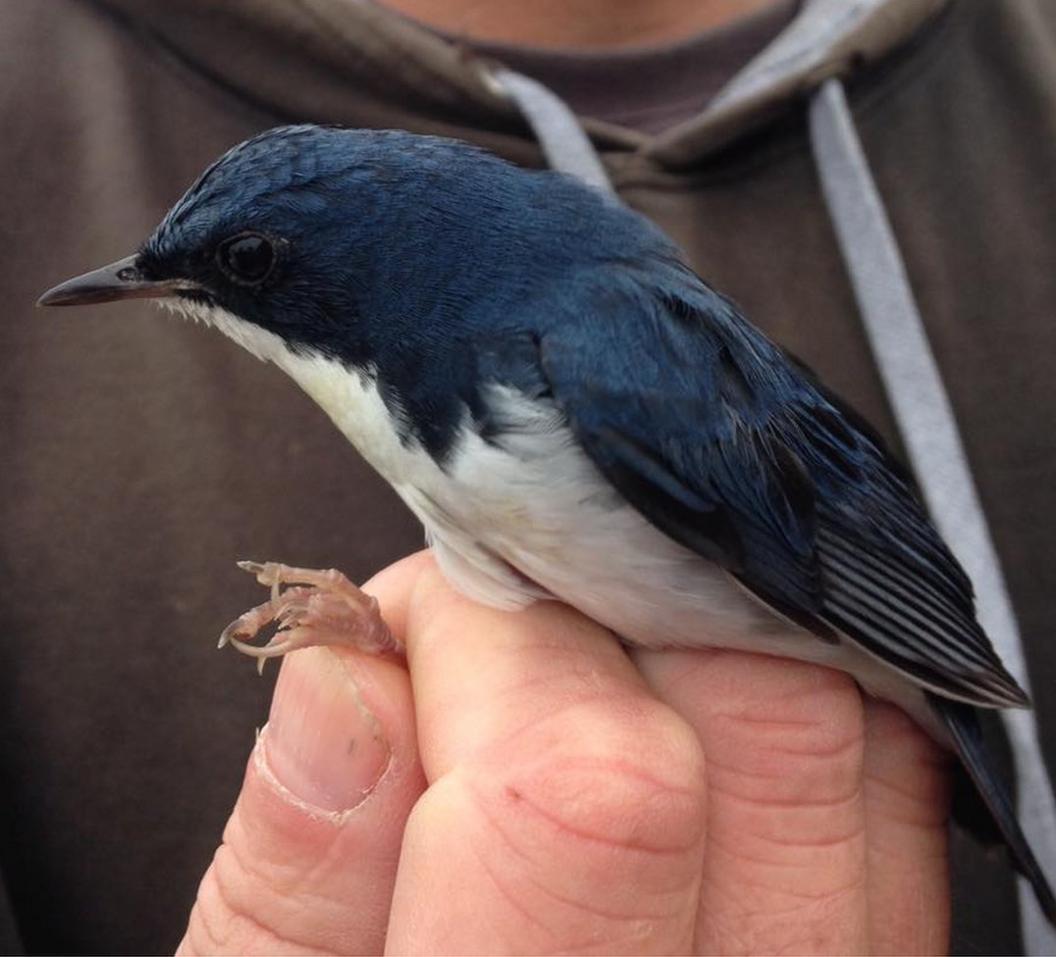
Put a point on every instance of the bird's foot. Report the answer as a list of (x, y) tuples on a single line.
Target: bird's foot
[(310, 608)]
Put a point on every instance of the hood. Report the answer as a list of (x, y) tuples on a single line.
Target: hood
[(357, 63)]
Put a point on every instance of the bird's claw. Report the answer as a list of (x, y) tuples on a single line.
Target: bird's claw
[(309, 607)]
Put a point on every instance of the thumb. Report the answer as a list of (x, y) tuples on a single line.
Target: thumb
[(309, 853)]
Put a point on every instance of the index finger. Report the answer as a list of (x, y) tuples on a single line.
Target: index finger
[(564, 811)]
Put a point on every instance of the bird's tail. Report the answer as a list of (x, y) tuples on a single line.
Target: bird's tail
[(963, 725)]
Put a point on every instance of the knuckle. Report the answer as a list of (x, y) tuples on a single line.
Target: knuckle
[(634, 785), (219, 924), (244, 910), (584, 828), (545, 890), (597, 839), (786, 769), (810, 728), (759, 922)]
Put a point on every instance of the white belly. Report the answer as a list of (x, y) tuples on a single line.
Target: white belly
[(532, 518)]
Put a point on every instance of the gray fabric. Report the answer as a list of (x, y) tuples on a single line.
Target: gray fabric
[(807, 44), (824, 37), (926, 421)]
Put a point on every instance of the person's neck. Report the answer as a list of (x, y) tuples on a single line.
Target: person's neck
[(581, 24)]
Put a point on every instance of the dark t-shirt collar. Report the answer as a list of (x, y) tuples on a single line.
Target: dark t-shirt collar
[(649, 88)]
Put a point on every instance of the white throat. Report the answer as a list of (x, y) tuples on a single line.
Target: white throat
[(349, 398)]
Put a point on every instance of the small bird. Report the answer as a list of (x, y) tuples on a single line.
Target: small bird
[(572, 414)]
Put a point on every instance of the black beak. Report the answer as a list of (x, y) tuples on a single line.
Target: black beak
[(120, 280)]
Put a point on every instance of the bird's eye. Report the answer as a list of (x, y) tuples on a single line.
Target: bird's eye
[(247, 258)]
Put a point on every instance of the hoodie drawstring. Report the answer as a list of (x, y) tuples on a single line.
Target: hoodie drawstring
[(914, 390), (565, 145), (926, 421)]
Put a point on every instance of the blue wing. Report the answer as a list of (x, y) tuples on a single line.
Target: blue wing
[(734, 450)]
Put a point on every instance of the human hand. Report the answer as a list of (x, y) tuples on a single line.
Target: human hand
[(523, 786)]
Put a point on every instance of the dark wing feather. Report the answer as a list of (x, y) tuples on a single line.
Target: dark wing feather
[(734, 451)]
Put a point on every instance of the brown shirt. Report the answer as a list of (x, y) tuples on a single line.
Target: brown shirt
[(144, 456)]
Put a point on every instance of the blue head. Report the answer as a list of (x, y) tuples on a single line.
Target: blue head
[(348, 242), (381, 250)]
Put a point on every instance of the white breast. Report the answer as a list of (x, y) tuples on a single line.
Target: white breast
[(530, 517)]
